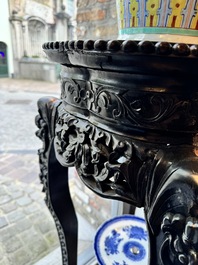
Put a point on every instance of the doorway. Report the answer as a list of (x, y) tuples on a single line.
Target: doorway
[(3, 60)]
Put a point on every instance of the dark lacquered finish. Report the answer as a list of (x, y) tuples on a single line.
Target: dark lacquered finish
[(128, 121)]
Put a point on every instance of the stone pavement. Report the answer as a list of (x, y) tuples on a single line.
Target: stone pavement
[(27, 231), (15, 85)]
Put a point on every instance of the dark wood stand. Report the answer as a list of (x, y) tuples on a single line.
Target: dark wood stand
[(127, 120)]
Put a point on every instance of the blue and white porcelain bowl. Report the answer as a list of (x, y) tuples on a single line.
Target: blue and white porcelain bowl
[(122, 240)]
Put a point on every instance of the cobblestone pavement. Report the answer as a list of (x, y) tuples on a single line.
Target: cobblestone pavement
[(16, 85), (27, 231)]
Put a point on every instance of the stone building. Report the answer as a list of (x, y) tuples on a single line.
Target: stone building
[(33, 22), (6, 55), (29, 23)]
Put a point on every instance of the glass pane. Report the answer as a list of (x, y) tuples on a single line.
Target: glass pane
[(92, 210)]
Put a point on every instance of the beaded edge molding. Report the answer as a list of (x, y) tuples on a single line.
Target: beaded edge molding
[(127, 46)]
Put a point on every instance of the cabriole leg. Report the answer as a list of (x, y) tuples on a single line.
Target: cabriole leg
[(54, 178), (173, 213)]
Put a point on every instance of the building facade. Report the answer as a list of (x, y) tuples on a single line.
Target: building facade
[(31, 23), (6, 52)]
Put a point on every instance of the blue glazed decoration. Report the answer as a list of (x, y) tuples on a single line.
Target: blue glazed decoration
[(112, 242), (134, 256), (122, 240), (136, 232)]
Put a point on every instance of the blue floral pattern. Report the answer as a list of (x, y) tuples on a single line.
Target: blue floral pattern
[(112, 242), (122, 240), (135, 232)]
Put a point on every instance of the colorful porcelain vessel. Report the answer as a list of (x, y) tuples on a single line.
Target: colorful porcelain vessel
[(157, 20)]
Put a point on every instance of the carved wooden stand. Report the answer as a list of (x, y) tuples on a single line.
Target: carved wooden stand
[(128, 121)]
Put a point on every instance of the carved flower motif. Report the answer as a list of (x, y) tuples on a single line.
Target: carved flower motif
[(181, 240)]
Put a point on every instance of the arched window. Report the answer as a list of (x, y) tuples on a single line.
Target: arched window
[(37, 36), (3, 60)]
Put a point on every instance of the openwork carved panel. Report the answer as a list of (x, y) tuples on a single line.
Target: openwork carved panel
[(107, 163)]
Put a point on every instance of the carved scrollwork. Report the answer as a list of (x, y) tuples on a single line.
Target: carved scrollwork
[(181, 240), (124, 106), (77, 93), (45, 134), (42, 135), (144, 110), (106, 163)]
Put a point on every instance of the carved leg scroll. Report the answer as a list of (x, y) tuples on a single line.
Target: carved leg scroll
[(54, 178), (173, 212)]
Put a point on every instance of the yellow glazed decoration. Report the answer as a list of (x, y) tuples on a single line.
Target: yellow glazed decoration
[(170, 20)]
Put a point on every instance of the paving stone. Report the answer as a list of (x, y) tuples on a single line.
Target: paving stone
[(16, 194), (5, 261), (29, 235), (16, 174), (3, 221), (43, 204), (10, 158), (17, 163), (20, 257), (3, 162), (45, 226), (32, 208), (7, 232), (12, 244), (4, 199), (45, 215), (4, 170), (3, 190), (12, 186), (1, 252), (30, 189), (29, 177), (23, 225), (2, 179), (36, 195), (23, 201), (38, 247), (9, 207), (52, 238), (15, 216)]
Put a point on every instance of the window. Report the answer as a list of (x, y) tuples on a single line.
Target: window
[(3, 59)]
